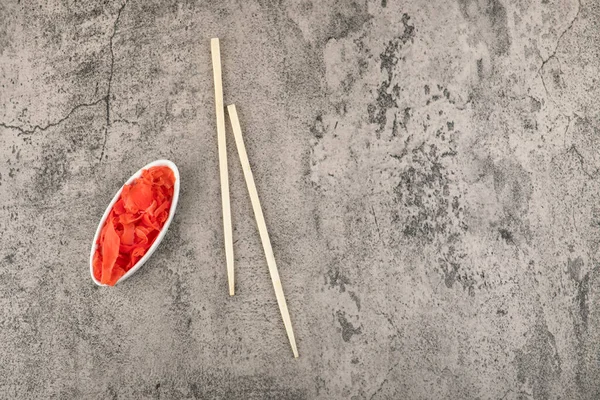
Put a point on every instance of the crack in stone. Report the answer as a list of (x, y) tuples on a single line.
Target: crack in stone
[(124, 120), (23, 131), (110, 78), (574, 149), (553, 54), (376, 224), (106, 98), (569, 119), (385, 380)]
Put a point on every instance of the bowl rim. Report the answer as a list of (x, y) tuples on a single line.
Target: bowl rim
[(161, 234)]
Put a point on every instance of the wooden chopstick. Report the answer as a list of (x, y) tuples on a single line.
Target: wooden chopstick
[(216, 61), (262, 227)]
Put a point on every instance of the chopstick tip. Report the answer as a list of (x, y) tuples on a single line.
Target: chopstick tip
[(215, 47)]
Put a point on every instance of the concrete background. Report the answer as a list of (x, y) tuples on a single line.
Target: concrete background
[(428, 170)]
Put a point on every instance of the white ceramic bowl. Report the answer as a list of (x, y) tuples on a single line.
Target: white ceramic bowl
[(162, 232)]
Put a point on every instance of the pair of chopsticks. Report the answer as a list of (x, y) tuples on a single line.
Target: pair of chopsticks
[(258, 214)]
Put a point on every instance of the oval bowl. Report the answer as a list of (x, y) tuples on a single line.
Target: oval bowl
[(162, 232)]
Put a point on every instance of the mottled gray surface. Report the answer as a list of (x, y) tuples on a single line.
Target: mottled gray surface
[(429, 172)]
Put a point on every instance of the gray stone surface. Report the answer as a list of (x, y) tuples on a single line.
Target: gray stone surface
[(428, 169)]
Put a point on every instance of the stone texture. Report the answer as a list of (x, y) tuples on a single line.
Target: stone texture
[(428, 172)]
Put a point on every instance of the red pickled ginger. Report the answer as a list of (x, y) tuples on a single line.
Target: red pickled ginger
[(133, 223)]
